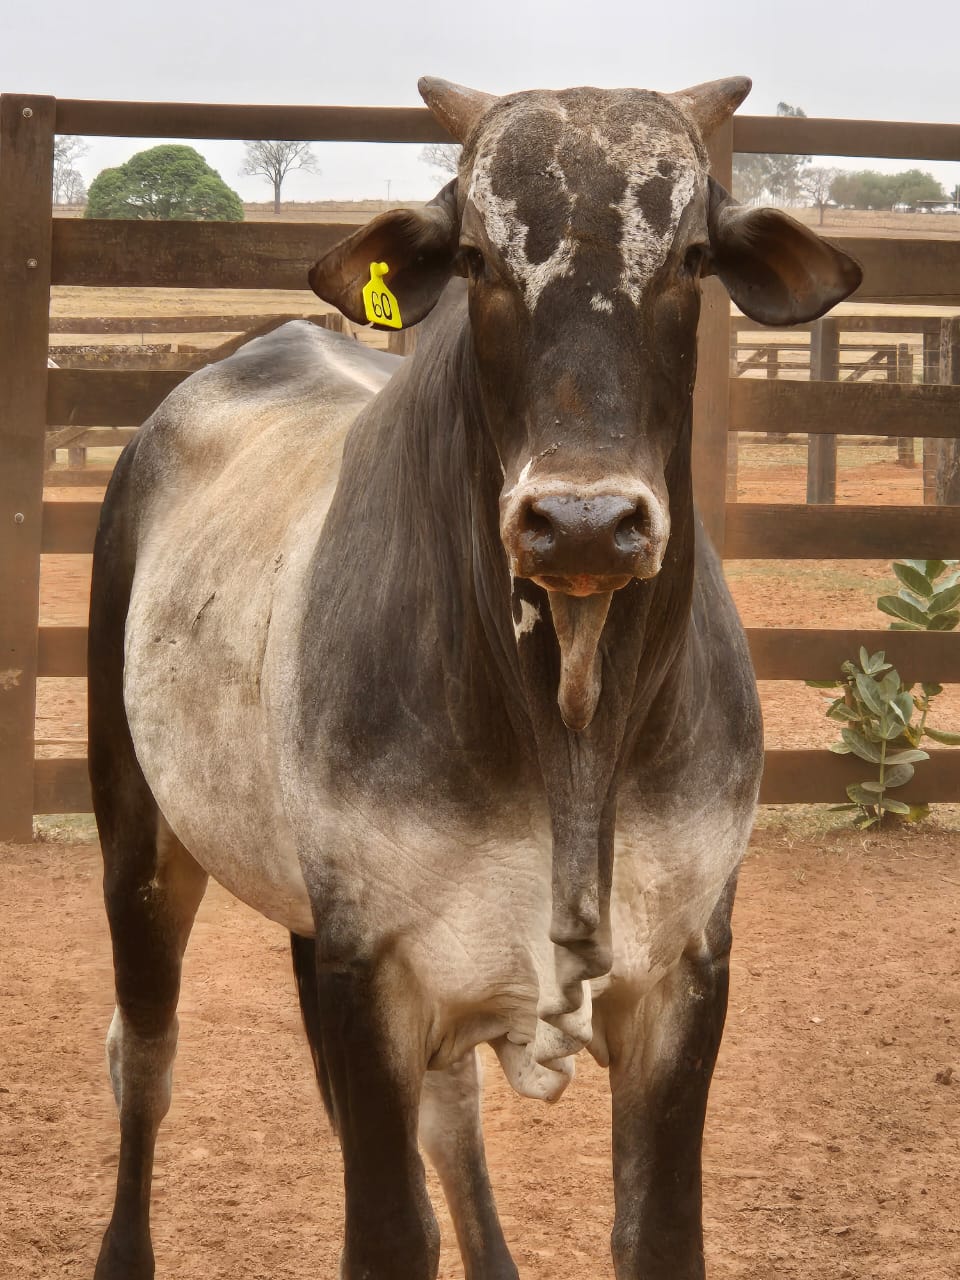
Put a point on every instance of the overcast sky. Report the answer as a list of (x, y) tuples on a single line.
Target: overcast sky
[(872, 60)]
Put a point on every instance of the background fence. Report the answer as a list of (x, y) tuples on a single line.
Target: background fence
[(42, 409)]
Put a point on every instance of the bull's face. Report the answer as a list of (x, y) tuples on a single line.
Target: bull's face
[(583, 221)]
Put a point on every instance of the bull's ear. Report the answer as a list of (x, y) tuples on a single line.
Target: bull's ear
[(775, 269), (418, 246)]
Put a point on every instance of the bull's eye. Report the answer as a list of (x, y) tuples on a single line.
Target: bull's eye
[(472, 262)]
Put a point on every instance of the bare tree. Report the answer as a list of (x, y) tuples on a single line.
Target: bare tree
[(274, 160), (816, 182), (444, 157), (68, 185)]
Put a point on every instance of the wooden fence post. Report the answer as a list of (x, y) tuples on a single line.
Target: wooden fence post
[(904, 373), (948, 453), (931, 373), (711, 397), (822, 450), (26, 172)]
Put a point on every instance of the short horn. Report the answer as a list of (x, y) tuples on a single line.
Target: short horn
[(710, 105), (456, 107)]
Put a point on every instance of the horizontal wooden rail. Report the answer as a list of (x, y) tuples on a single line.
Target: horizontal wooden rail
[(774, 531), (278, 255), (779, 653), (794, 653), (168, 324), (107, 397), (845, 408), (220, 255), (754, 531), (224, 120), (790, 777), (905, 271), (847, 324), (901, 140), (817, 777), (890, 139)]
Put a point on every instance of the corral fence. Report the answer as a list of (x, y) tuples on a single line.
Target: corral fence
[(37, 251)]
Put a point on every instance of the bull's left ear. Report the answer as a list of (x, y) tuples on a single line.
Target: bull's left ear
[(419, 247), (775, 269)]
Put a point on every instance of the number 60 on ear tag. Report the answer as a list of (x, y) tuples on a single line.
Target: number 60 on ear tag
[(379, 304)]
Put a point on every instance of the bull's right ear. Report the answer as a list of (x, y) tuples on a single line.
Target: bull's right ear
[(419, 247)]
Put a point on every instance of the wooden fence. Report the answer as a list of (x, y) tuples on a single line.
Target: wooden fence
[(37, 251)]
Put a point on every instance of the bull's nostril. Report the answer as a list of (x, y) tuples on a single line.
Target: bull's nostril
[(537, 528), (631, 532)]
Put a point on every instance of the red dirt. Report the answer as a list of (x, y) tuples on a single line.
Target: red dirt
[(832, 1151)]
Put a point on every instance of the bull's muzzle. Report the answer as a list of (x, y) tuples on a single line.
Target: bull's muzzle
[(580, 542)]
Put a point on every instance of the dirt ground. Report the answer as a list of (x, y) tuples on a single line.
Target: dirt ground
[(833, 1137)]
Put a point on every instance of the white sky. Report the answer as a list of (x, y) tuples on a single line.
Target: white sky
[(870, 60)]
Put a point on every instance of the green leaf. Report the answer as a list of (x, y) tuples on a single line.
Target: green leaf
[(944, 600), (911, 756), (840, 711), (918, 812), (860, 795), (823, 684), (934, 568), (839, 748), (897, 608), (905, 626), (864, 821), (931, 690), (859, 745), (944, 621), (890, 685), (903, 703), (875, 788), (870, 693), (941, 735), (894, 806), (913, 578), (841, 808), (918, 602), (898, 775)]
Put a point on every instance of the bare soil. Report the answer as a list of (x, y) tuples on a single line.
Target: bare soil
[(833, 1138)]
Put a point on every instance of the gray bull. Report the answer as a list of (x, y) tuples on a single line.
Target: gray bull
[(434, 665)]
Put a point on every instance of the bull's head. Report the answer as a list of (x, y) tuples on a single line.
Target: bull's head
[(584, 221)]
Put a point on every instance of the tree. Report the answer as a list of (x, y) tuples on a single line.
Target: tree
[(770, 177), (68, 185), (274, 160), (444, 157), (868, 189), (816, 183), (166, 182)]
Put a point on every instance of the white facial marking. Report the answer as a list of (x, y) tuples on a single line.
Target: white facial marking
[(644, 242), (529, 617), (525, 473)]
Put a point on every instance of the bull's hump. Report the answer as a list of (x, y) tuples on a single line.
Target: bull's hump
[(604, 174)]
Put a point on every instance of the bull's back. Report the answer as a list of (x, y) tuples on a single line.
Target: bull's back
[(228, 492)]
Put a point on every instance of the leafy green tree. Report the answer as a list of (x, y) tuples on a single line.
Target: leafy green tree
[(166, 182), (868, 189)]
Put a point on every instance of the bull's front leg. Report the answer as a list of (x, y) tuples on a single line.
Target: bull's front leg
[(372, 1046), (663, 1053)]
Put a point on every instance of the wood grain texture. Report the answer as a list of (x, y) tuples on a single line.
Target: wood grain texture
[(795, 653), (820, 777), (62, 651), (774, 531), (847, 408), (905, 271), (26, 160), (898, 140), (107, 397), (225, 120), (190, 255), (790, 777), (170, 324), (69, 528)]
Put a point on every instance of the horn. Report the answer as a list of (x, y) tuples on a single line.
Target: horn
[(456, 107), (709, 105)]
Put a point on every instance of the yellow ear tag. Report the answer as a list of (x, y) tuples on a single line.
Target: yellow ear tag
[(379, 304)]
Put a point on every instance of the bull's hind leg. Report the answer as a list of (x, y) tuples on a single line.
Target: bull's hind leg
[(452, 1136), (662, 1058), (152, 888)]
